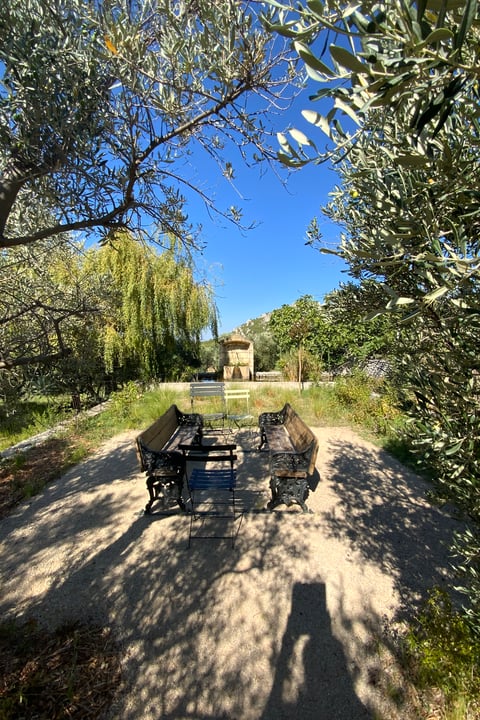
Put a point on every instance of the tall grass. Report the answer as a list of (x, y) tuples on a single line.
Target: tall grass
[(30, 417), (318, 406), (353, 402)]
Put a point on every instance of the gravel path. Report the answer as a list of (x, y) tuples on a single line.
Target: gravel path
[(282, 626)]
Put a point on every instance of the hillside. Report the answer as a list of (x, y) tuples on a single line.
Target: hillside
[(252, 328)]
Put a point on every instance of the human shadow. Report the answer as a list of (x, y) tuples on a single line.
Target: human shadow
[(324, 689)]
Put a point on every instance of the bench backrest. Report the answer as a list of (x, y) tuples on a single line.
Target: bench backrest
[(301, 435), (157, 435)]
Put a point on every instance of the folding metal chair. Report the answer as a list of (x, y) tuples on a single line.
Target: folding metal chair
[(214, 394), (212, 491), (237, 407)]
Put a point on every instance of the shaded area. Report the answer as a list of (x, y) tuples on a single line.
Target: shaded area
[(382, 510), (277, 627), (29, 472), (72, 673)]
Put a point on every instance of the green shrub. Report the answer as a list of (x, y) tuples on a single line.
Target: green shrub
[(444, 652), (121, 402), (370, 402)]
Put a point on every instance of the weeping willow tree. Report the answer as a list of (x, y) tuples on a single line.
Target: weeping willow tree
[(154, 310)]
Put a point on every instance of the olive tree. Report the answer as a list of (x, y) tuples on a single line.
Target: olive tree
[(40, 293), (399, 110), (101, 104)]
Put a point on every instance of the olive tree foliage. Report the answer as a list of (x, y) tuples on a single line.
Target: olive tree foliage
[(399, 99), (353, 335), (404, 77), (101, 104), (41, 299), (50, 325)]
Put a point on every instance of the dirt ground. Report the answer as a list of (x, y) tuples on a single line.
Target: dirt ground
[(289, 623)]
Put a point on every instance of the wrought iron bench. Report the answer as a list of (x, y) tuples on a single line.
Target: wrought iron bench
[(160, 456), (293, 450)]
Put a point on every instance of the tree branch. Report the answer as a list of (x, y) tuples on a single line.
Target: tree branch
[(10, 364)]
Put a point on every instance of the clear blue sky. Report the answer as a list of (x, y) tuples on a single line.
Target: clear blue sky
[(261, 269)]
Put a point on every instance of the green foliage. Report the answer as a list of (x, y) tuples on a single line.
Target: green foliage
[(101, 101), (132, 408), (311, 367), (419, 58), (298, 327), (81, 321), (209, 355), (445, 426), (121, 402), (406, 76), (266, 352), (298, 324), (31, 417), (443, 651), (370, 402), (354, 332), (44, 304), (156, 310), (467, 552), (335, 332)]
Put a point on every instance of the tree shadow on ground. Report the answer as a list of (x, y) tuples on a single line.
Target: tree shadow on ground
[(382, 510), (208, 632)]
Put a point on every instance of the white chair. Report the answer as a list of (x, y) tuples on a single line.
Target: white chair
[(237, 407)]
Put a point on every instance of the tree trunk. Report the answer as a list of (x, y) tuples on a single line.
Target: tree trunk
[(300, 367), (13, 179)]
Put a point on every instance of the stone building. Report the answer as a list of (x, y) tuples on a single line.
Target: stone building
[(236, 358)]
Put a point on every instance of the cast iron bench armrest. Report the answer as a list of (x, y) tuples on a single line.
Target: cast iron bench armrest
[(189, 418), (290, 461), (272, 418), (161, 459)]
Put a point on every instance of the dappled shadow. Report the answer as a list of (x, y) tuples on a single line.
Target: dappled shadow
[(208, 632), (381, 508)]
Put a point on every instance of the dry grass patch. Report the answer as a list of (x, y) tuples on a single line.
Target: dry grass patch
[(71, 673), (27, 473)]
